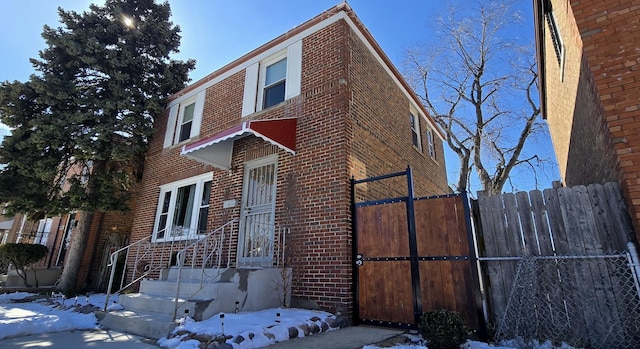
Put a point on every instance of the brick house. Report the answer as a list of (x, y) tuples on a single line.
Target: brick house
[(273, 138), (589, 69), (109, 230)]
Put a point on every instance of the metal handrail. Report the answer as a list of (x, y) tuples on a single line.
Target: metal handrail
[(216, 247), (157, 258), (206, 250)]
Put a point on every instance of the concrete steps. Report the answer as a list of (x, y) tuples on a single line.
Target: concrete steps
[(150, 325), (150, 312)]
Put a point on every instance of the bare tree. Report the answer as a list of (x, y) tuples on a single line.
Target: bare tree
[(481, 88)]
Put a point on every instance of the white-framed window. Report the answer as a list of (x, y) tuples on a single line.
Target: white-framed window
[(44, 228), (185, 122), (274, 82), (5, 237), (431, 143), (273, 79), (185, 119), (415, 130), (183, 209)]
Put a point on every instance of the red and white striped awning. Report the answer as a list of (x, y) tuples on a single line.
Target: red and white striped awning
[(217, 149)]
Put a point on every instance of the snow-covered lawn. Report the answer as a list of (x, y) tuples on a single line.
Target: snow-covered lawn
[(34, 314)]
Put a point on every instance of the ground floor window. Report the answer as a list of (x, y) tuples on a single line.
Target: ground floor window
[(42, 234), (183, 208)]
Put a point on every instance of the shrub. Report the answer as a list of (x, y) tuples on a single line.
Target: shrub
[(4, 264), (22, 257), (443, 329)]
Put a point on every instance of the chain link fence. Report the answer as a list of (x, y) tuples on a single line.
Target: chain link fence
[(584, 301)]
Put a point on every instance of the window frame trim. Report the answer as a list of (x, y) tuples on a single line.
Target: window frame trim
[(173, 187), (262, 77), (416, 120), (180, 119), (431, 143)]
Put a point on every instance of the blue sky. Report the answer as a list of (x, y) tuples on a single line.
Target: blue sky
[(215, 32)]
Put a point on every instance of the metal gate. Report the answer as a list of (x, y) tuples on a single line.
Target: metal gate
[(413, 255)]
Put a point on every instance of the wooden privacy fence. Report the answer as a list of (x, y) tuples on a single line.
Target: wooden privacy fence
[(413, 255), (555, 266)]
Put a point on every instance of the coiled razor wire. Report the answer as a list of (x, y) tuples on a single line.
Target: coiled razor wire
[(584, 301)]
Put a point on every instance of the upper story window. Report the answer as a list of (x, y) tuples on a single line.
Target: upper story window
[(183, 208), (273, 80), (184, 120), (431, 143), (558, 46), (415, 130), (274, 83), (556, 39)]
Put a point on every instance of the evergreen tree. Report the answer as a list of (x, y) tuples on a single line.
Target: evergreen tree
[(82, 123)]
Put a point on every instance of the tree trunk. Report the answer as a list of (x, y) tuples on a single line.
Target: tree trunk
[(73, 261)]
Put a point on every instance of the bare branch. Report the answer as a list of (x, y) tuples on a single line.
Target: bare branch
[(474, 96)]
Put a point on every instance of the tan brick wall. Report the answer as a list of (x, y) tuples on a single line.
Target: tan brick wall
[(352, 120)]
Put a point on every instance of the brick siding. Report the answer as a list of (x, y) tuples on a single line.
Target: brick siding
[(353, 120), (593, 113)]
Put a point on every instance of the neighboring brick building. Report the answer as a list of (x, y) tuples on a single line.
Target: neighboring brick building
[(589, 68), (274, 137), (108, 230)]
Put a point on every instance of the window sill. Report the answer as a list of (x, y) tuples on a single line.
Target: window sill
[(177, 238)]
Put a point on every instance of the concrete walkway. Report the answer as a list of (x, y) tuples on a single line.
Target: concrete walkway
[(96, 339), (354, 337)]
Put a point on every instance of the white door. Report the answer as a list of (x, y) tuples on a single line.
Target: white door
[(255, 243)]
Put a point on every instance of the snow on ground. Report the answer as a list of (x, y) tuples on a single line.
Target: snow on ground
[(39, 316), (34, 314), (258, 329)]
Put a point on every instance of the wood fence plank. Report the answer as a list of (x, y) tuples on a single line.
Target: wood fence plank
[(552, 311), (511, 239), (602, 217), (543, 233), (611, 323), (378, 298), (455, 227), (431, 285), (526, 224), (492, 223), (510, 243), (567, 223), (620, 216), (556, 223), (571, 244)]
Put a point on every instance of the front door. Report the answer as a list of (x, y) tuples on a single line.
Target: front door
[(255, 243)]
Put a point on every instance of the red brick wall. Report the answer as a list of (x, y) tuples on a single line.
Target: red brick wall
[(352, 118), (611, 35)]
